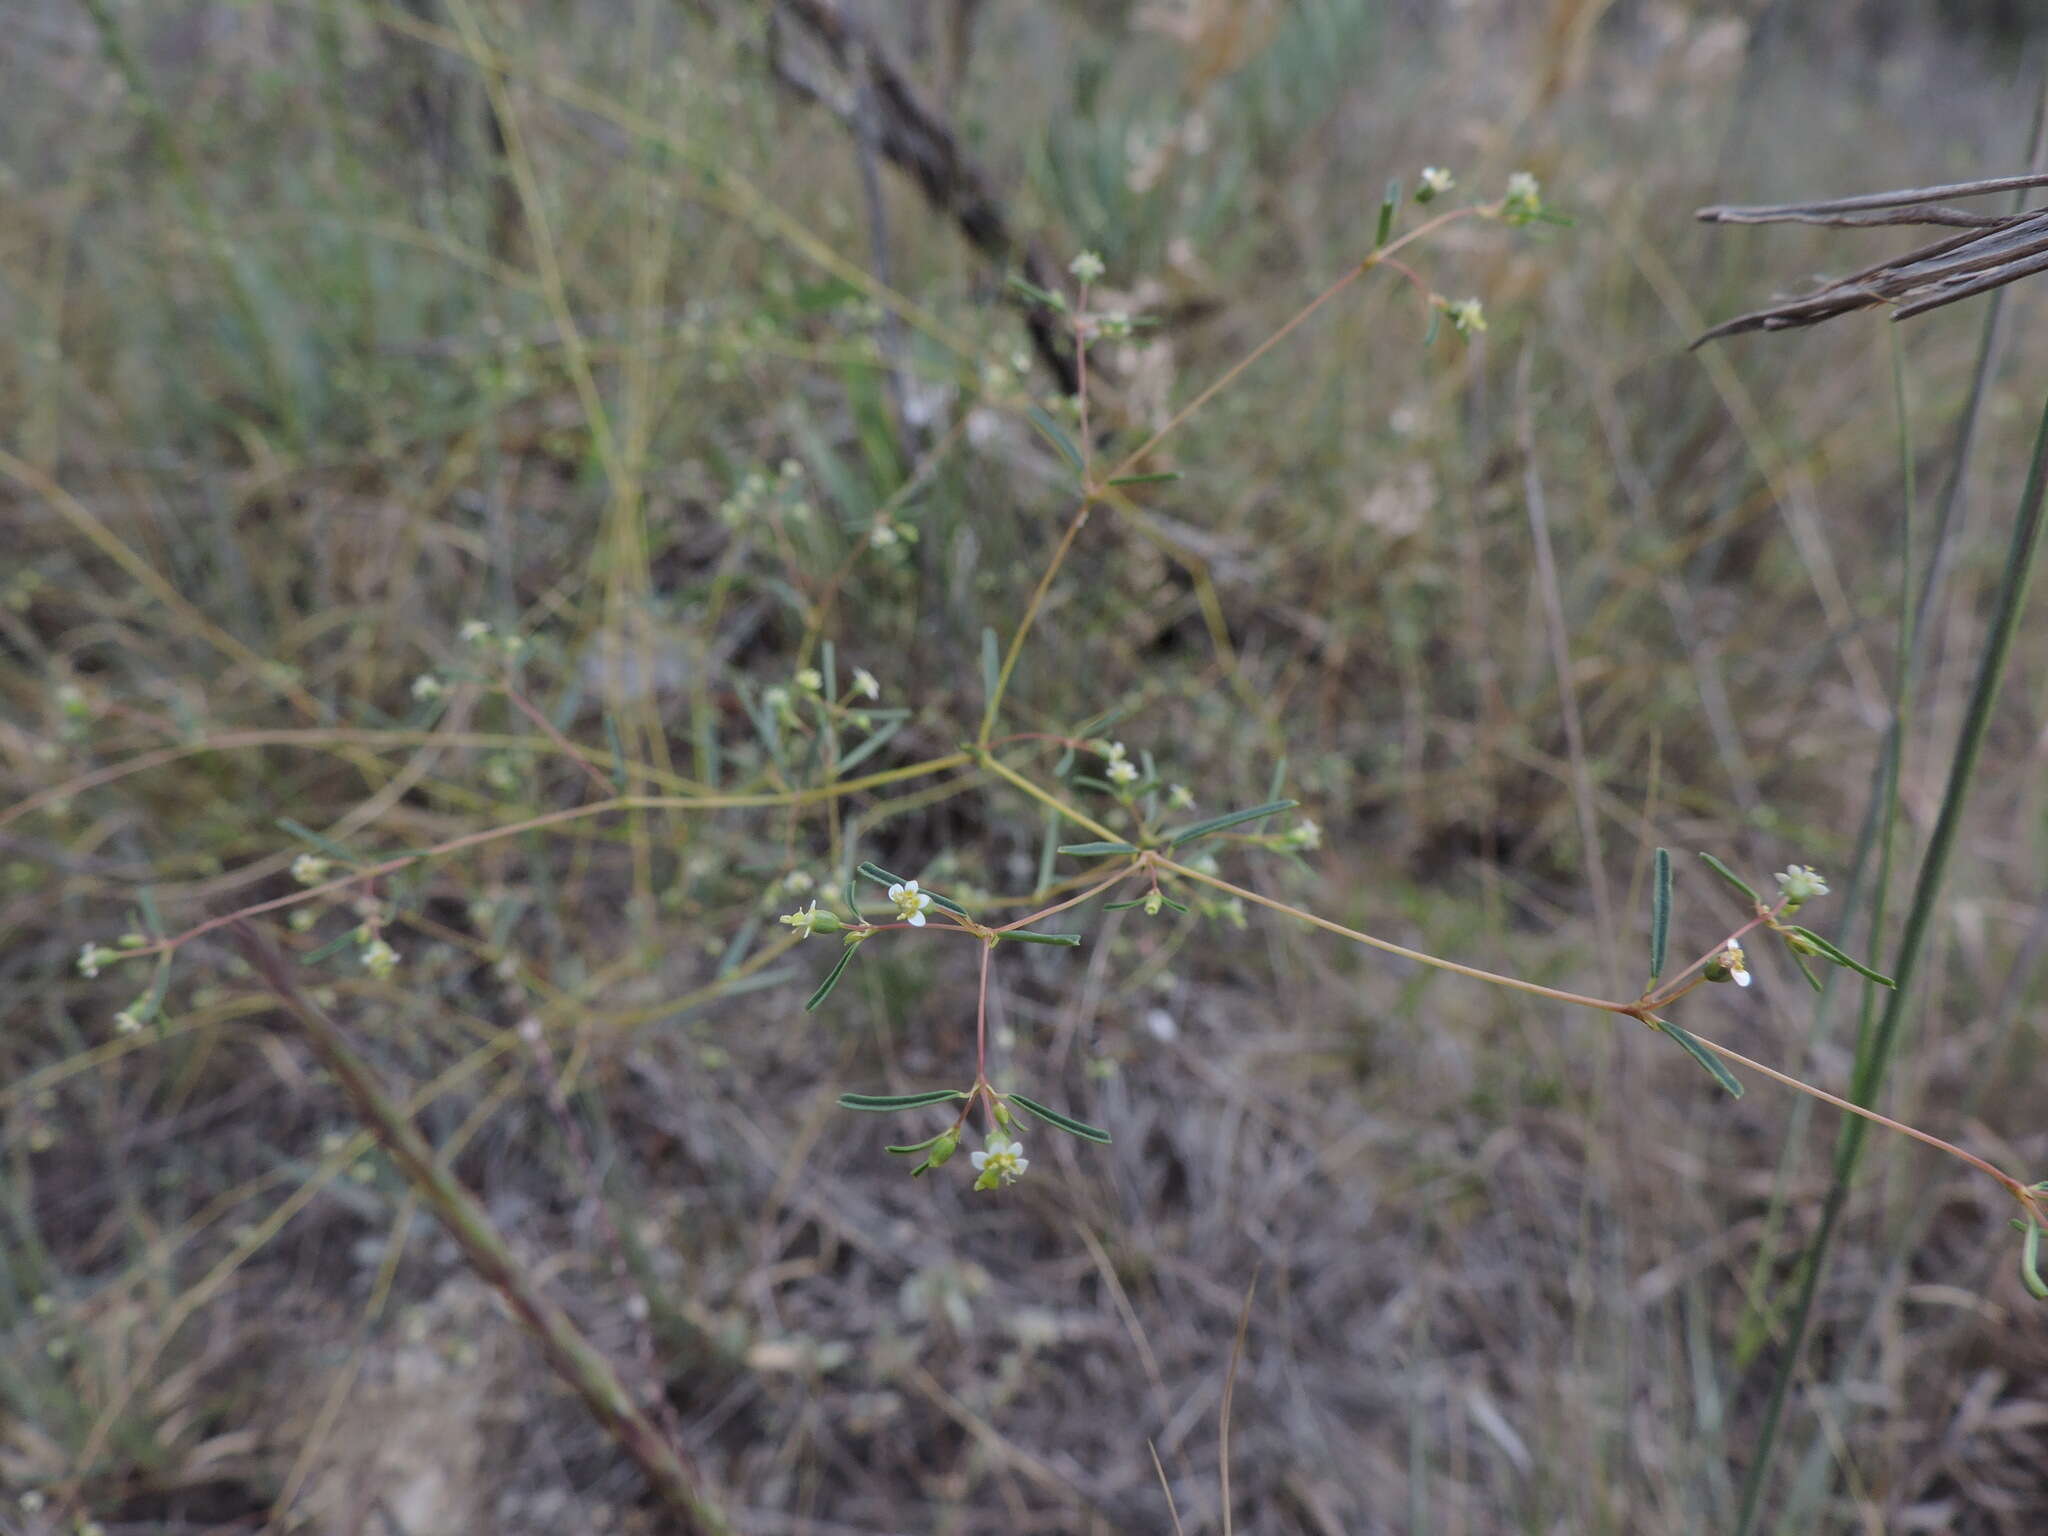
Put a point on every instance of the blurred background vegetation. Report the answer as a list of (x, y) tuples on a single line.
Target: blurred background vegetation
[(334, 324)]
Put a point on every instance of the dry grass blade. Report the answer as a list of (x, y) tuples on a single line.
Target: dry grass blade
[(1244, 1322), (1996, 250)]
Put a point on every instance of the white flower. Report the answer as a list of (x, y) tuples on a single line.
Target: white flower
[(910, 902), (1731, 964), (1524, 200), (1002, 1161), (310, 869), (426, 686), (89, 958), (125, 1023), (1435, 182), (1122, 770), (1086, 267), (1522, 187), (1801, 883), (379, 959), (797, 881), (810, 679), (884, 535), (1467, 317), (1303, 834), (864, 684), (473, 632), (1180, 798)]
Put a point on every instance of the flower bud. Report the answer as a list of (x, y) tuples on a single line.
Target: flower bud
[(943, 1148)]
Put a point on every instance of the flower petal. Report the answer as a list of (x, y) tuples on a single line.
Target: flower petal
[(917, 921)]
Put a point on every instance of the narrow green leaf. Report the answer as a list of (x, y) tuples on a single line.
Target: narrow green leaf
[(1700, 1054), (1165, 474), (919, 1146), (1102, 721), (873, 744), (1050, 429), (618, 750), (1066, 1123), (1390, 205), (828, 669), (1169, 901), (879, 875), (1435, 320), (1097, 850), (326, 845), (1806, 970), (1025, 937), (1049, 850), (991, 665), (1089, 781), (2030, 1263), (1830, 952), (1731, 877), (1660, 912), (1037, 294), (831, 979), (1123, 906), (330, 949), (884, 1103), (1217, 823)]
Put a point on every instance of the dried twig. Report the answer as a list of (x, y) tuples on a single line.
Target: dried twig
[(1995, 249), (575, 1359), (879, 99)]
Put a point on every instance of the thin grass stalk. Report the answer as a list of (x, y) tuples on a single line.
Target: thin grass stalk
[(1920, 916), (573, 1357)]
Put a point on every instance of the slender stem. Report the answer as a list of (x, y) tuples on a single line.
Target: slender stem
[(1920, 917), (1059, 556), (1072, 901), (1087, 823), (988, 948), (1537, 989), (795, 797)]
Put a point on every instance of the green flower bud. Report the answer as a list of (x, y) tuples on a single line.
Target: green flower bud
[(943, 1148)]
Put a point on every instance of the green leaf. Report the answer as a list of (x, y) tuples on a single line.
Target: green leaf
[(1217, 823), (1700, 1054), (1066, 1123), (879, 875), (1037, 294), (831, 980), (1025, 937), (885, 1103), (1806, 970), (1165, 474), (2030, 1263), (1097, 850), (1830, 952), (1050, 429), (1731, 877), (874, 743), (991, 664), (919, 1146), (1660, 912), (1389, 206), (326, 845), (330, 949)]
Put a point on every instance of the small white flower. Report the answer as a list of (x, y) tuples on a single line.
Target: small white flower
[(884, 535), (426, 686), (1730, 965), (1122, 770), (797, 881), (1002, 1161), (125, 1023), (473, 632), (380, 959), (776, 698), (1086, 267), (1467, 316), (910, 902), (310, 869), (89, 958), (1435, 182), (864, 684), (810, 679), (1303, 834), (1800, 884), (1522, 187), (1180, 798), (1524, 200)]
